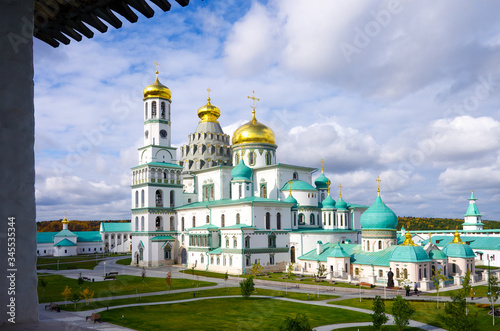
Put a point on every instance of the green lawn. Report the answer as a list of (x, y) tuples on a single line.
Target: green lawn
[(126, 261), (426, 312), (479, 290), (227, 314), (69, 262), (198, 294), (123, 284), (275, 276)]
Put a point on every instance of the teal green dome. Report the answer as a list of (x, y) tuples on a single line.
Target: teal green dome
[(436, 254), (328, 202), (291, 199), (409, 253), (241, 172), (341, 204), (378, 216), (321, 182), (457, 248), (298, 185)]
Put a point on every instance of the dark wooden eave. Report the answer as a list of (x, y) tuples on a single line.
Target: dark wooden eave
[(56, 21)]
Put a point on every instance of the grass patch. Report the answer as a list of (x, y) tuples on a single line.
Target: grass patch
[(69, 262), (479, 290), (275, 276), (198, 294), (426, 312), (126, 261), (485, 267), (123, 284), (385, 328), (252, 314)]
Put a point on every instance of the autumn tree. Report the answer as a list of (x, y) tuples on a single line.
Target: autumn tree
[(66, 293)]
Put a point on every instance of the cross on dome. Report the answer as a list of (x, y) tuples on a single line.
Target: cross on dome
[(253, 101), (157, 66), (322, 163), (340, 190), (378, 185), (209, 90)]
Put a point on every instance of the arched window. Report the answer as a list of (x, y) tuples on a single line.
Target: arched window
[(208, 219), (268, 221), (397, 272), (251, 158), (142, 223), (159, 198), (329, 219), (194, 221), (294, 219), (272, 240), (182, 224), (292, 254), (136, 199), (163, 110), (167, 252), (202, 260), (142, 198), (239, 191), (222, 221), (295, 176), (301, 219), (146, 110), (247, 242), (278, 221), (235, 242), (268, 158), (153, 109), (405, 273), (236, 160), (137, 224), (379, 244), (311, 221), (158, 224), (263, 191), (172, 198), (227, 242), (238, 218), (380, 273), (172, 225)]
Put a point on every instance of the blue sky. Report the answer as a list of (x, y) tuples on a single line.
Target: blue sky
[(404, 90)]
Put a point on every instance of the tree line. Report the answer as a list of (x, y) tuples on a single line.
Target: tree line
[(429, 223), (56, 226)]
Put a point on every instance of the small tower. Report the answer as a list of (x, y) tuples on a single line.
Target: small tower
[(322, 184), (472, 218), (328, 210), (65, 223), (342, 212)]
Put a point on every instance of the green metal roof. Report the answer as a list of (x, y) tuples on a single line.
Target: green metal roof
[(436, 254), (458, 250), (88, 236), (216, 251), (65, 233), (409, 253), (45, 237), (163, 238), (225, 202), (475, 242), (65, 243), (204, 227), (238, 226), (116, 227), (337, 251), (341, 204), (298, 185), (328, 202), (159, 164)]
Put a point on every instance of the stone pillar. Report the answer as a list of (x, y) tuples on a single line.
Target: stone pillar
[(17, 171), (425, 285), (486, 276), (457, 280)]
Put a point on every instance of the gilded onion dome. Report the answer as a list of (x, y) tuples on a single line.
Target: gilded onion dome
[(254, 132), (208, 113), (157, 90), (65, 220)]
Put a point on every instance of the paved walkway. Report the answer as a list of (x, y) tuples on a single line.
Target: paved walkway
[(61, 321)]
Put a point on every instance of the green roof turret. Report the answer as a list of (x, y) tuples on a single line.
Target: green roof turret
[(378, 215), (241, 172)]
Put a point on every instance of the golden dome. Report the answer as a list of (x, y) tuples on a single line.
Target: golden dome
[(157, 90), (65, 220), (254, 132), (209, 113)]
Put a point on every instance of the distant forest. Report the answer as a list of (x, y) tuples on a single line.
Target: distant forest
[(410, 223), (56, 226), (424, 223)]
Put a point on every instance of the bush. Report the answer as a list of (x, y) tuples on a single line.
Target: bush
[(247, 287), (299, 323)]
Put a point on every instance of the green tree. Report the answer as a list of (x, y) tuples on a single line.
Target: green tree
[(299, 323), (493, 290), (436, 279), (256, 269), (379, 317), (466, 287), (321, 270), (289, 270), (455, 317), (226, 276), (402, 311), (43, 284), (247, 287), (76, 298)]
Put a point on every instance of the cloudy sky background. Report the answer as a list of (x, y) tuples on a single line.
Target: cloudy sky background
[(405, 90)]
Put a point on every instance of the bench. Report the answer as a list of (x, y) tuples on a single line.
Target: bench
[(94, 317), (112, 273), (53, 306)]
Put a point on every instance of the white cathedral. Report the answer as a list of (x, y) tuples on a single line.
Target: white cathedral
[(225, 206)]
